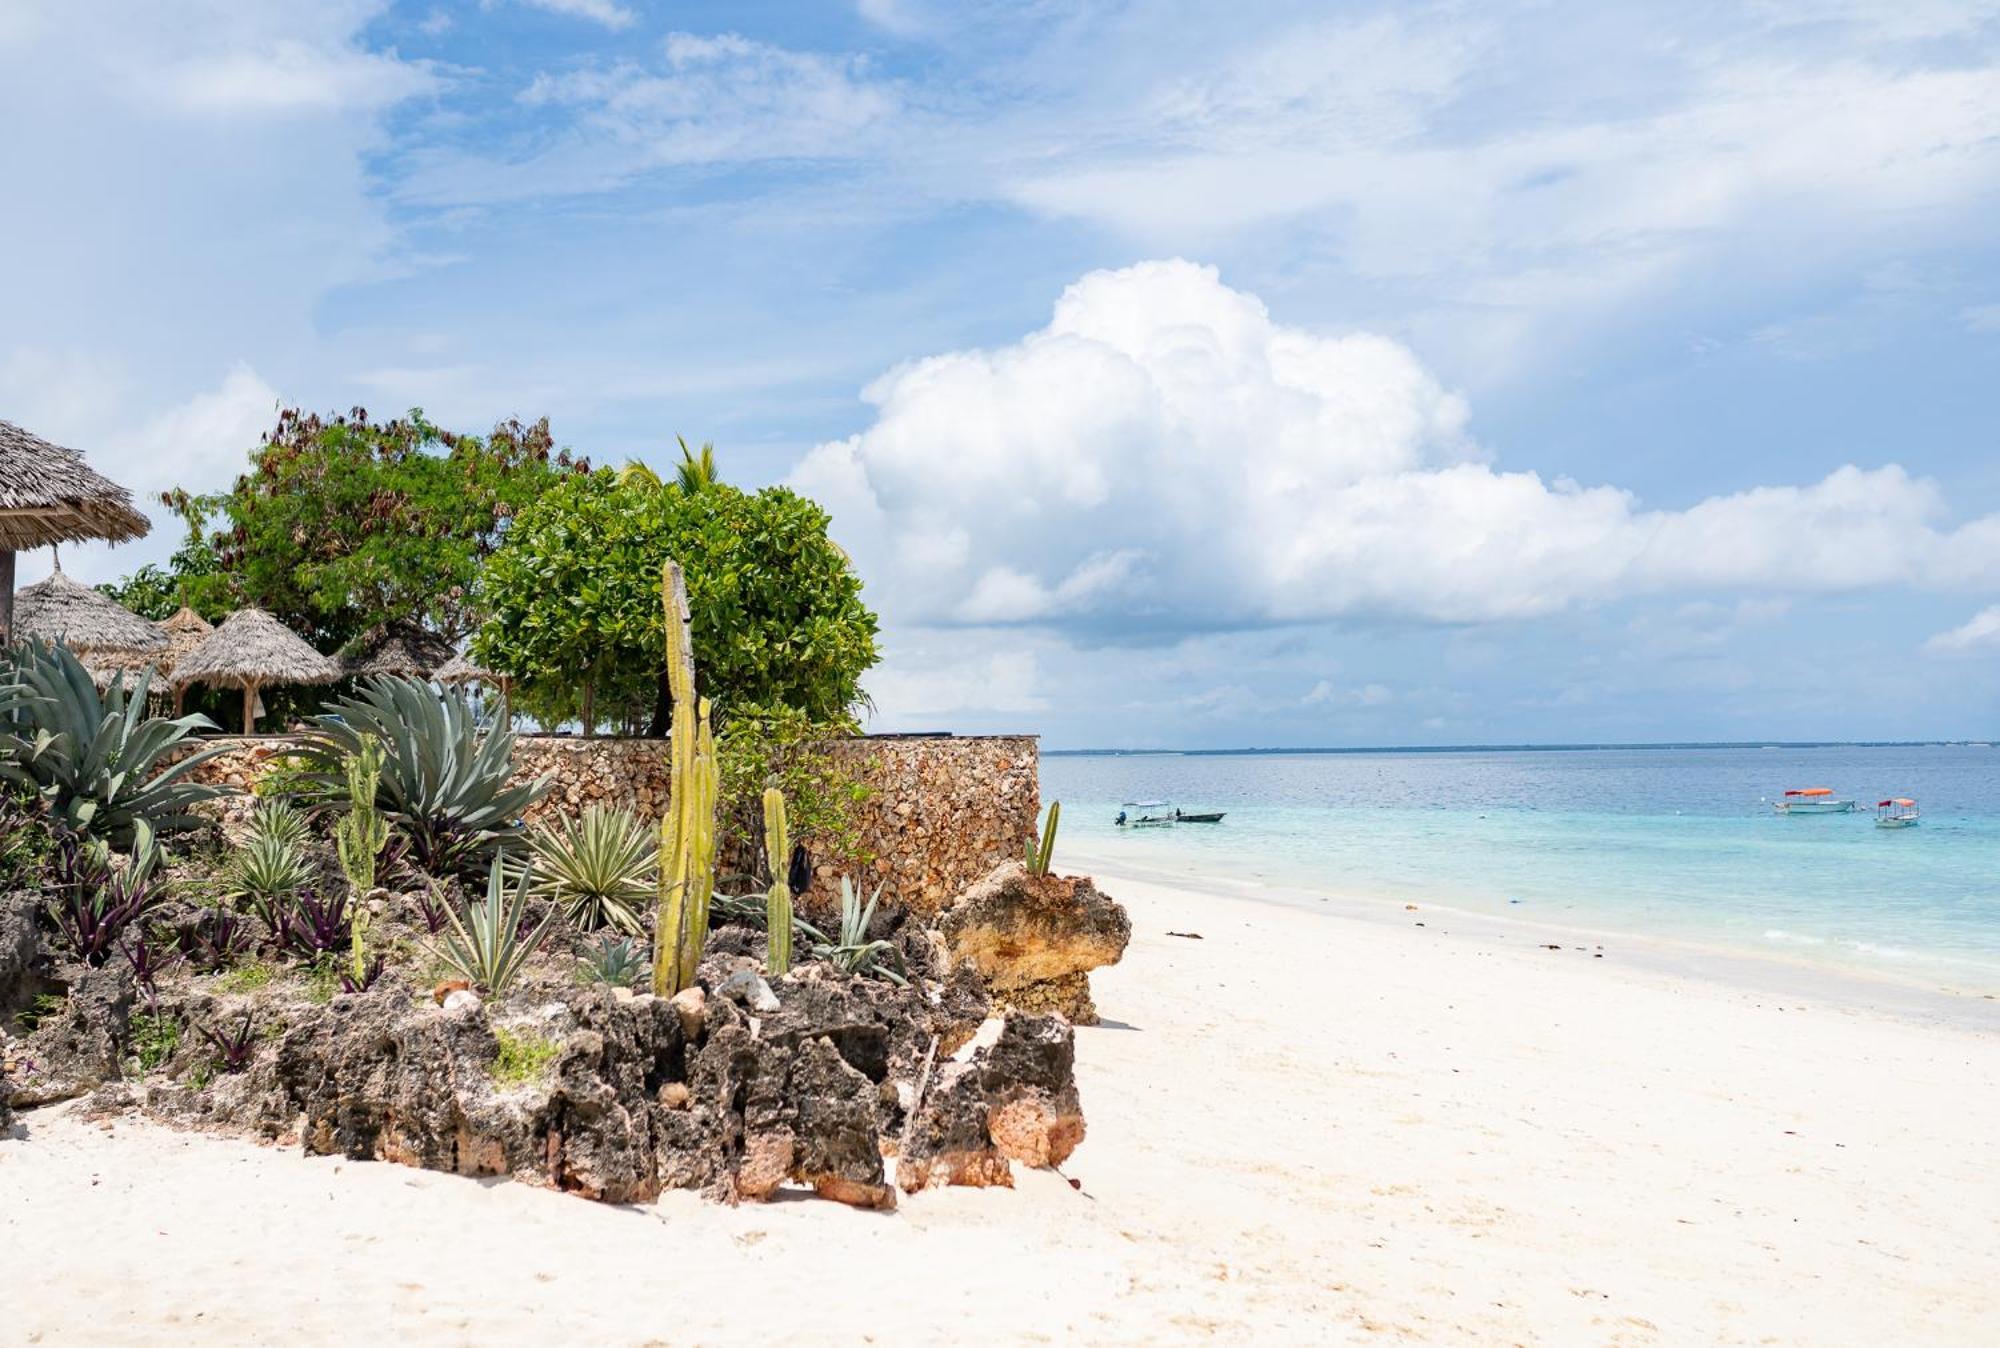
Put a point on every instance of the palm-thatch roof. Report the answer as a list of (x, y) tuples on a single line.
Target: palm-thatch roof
[(461, 669), (184, 631), (49, 495), (401, 649), (61, 609), (252, 649)]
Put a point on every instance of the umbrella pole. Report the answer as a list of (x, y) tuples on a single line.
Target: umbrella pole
[(249, 707), (6, 597)]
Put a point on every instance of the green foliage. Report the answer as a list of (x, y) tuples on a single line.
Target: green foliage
[(155, 1039), (24, 840), (522, 1057), (615, 961), (98, 763), (247, 977), (342, 524), (696, 472), (781, 747), (151, 592), (855, 954), (778, 617), (687, 833), (444, 783), (1041, 851), (778, 908), (271, 866), (598, 867), (489, 942)]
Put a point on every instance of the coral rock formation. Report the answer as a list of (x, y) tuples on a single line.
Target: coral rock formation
[(1034, 938)]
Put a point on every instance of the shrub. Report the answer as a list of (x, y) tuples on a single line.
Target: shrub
[(97, 761), (445, 784)]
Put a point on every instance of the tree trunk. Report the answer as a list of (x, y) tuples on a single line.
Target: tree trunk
[(590, 709)]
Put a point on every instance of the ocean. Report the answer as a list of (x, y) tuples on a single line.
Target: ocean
[(1674, 842)]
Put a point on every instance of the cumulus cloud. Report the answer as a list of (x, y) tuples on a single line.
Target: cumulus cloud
[(611, 15), (1980, 632), (1164, 456)]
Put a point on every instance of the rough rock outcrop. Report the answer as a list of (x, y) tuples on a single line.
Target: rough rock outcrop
[(1013, 1099), (78, 1045), (1034, 938)]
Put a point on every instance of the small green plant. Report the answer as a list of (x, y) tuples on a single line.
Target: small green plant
[(1042, 850), (489, 943), (522, 1057), (322, 980), (778, 907), (247, 977), (358, 839), (855, 954), (45, 1005), (155, 1039), (270, 867), (598, 867), (615, 961)]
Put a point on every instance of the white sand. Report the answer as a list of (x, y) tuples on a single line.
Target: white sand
[(1304, 1128)]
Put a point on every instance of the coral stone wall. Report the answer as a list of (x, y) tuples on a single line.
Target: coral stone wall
[(942, 811)]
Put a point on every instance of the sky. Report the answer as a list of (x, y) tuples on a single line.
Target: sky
[(1192, 375)]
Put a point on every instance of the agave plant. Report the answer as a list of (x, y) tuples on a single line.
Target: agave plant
[(445, 784), (855, 954), (615, 961), (598, 867), (265, 873), (490, 941), (97, 760)]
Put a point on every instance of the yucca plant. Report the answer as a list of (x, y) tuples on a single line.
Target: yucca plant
[(599, 867), (264, 873), (490, 942), (445, 784), (1042, 850), (855, 954), (98, 761)]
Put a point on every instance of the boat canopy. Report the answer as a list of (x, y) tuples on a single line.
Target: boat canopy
[(1904, 801), (1811, 791)]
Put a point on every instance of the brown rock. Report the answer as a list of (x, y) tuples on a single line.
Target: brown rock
[(1034, 938)]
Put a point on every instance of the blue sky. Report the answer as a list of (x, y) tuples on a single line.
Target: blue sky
[(1177, 374)]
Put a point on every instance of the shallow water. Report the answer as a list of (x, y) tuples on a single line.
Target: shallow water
[(1674, 842)]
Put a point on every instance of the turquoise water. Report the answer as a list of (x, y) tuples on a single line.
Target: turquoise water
[(1675, 842)]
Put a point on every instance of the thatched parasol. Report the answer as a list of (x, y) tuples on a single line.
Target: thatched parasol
[(461, 669), (48, 495), (252, 650), (184, 631), (404, 650), (61, 609)]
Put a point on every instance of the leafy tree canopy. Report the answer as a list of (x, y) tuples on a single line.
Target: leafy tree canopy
[(343, 524), (575, 615)]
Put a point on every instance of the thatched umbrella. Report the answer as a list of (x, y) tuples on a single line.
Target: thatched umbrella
[(108, 638), (184, 631), (461, 669), (251, 650), (48, 495), (404, 650)]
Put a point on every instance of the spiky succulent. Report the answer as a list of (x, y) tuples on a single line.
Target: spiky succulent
[(489, 942), (615, 961), (599, 867), (855, 954), (265, 872)]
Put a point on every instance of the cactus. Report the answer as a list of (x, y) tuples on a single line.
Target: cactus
[(687, 831), (1042, 851), (358, 839), (778, 903)]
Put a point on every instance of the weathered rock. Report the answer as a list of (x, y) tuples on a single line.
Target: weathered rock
[(79, 1045), (691, 1005), (20, 951), (1014, 1099), (1035, 938)]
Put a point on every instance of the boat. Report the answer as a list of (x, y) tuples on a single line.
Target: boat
[(1207, 817), (1812, 800), (1152, 813), (1896, 812)]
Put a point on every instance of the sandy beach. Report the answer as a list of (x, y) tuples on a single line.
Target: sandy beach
[(1305, 1127)]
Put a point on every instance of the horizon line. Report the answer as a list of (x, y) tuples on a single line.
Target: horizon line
[(1579, 747)]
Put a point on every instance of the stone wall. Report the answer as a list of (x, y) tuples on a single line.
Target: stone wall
[(941, 811)]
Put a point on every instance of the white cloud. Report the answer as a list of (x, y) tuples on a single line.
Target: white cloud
[(1165, 457), (1980, 632), (613, 16), (292, 76), (1326, 693)]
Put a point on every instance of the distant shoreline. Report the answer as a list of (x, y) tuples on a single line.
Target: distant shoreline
[(1518, 748)]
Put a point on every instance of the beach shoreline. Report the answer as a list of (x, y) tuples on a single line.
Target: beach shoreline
[(1303, 1128)]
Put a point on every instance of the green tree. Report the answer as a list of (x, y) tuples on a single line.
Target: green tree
[(574, 611), (343, 524)]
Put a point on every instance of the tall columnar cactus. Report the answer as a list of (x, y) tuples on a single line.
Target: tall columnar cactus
[(687, 831), (1042, 851), (358, 839), (778, 903)]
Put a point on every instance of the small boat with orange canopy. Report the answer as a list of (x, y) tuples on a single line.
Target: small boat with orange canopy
[(1812, 800), (1896, 812)]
